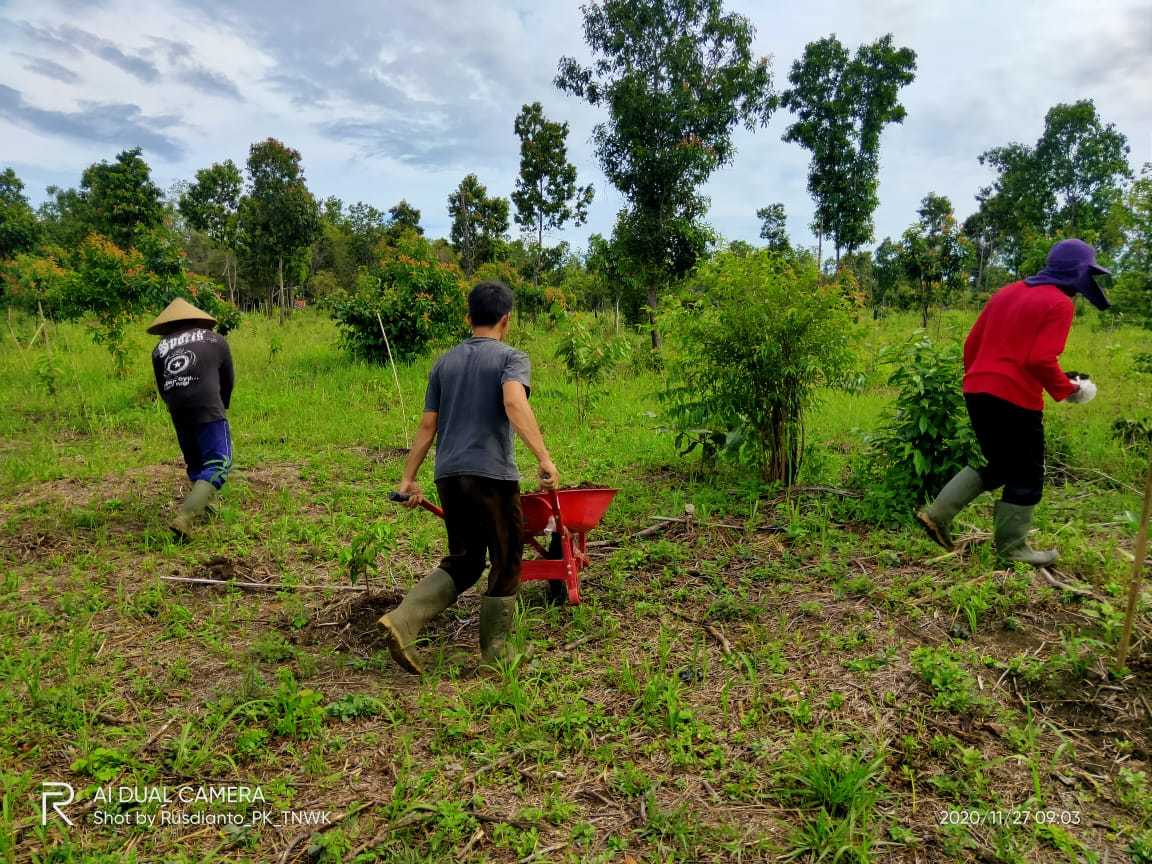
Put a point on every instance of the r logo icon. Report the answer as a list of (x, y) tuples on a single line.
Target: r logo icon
[(60, 794)]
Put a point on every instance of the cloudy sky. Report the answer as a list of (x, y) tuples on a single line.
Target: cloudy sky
[(397, 98)]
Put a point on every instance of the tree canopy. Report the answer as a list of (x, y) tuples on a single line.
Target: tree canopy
[(842, 103), (676, 76), (19, 229), (546, 195), (117, 198), (1066, 184), (278, 216), (479, 223)]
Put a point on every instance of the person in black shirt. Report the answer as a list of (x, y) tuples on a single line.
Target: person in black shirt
[(193, 369)]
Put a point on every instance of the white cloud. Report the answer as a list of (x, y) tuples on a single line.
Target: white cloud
[(401, 99)]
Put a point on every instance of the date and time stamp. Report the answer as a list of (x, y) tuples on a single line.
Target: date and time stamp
[(976, 818)]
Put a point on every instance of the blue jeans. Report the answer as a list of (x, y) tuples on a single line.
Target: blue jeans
[(207, 449)]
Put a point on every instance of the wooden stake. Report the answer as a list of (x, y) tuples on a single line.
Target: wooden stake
[(396, 378), (1137, 567), (264, 586)]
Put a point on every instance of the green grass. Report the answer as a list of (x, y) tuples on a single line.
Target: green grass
[(865, 686)]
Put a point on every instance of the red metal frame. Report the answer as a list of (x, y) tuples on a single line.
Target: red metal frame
[(573, 545)]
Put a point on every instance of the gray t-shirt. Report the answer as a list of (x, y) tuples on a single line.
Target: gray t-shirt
[(466, 388)]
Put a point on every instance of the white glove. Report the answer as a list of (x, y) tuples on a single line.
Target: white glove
[(1086, 393)]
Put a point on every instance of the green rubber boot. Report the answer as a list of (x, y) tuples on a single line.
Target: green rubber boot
[(192, 509), (496, 615), (937, 517), (1011, 525), (427, 599)]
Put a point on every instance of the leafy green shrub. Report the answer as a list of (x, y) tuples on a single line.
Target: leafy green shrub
[(1140, 849), (111, 286), (748, 353), (954, 686), (297, 712), (101, 764), (1132, 790), (419, 299), (588, 357), (531, 299), (1077, 657), (355, 705), (360, 559), (926, 437), (1135, 433)]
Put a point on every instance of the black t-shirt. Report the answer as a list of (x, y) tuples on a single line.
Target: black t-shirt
[(193, 371)]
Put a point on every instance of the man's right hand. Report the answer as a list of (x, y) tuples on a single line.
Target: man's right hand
[(549, 476), (413, 491), (1085, 391)]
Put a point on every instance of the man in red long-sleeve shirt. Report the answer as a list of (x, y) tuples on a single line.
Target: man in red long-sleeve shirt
[(1011, 357)]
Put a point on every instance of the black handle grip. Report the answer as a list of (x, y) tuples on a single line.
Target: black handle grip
[(399, 497)]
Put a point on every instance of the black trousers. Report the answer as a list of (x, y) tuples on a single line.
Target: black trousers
[(1012, 441), (483, 519)]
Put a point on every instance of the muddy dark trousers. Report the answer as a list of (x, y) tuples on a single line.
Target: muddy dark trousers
[(483, 519), (207, 449), (1012, 441)]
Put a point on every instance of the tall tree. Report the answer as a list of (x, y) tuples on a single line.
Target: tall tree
[(402, 217), (888, 270), (279, 218), (1066, 184), (842, 103), (19, 229), (1085, 162), (1134, 283), (1014, 208), (119, 197), (62, 218), (676, 76), (546, 196), (479, 223), (211, 203), (774, 227), (933, 252), (367, 227)]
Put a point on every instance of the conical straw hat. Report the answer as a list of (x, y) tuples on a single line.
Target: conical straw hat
[(179, 310)]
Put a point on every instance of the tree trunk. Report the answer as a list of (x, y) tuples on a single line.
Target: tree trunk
[(820, 246), (280, 276), (653, 299), (981, 249), (924, 304), (539, 242)]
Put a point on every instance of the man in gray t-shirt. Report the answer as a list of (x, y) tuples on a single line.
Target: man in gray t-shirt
[(477, 395), (466, 392)]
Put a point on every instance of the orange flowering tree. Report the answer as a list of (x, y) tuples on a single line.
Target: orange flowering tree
[(109, 286), (418, 299)]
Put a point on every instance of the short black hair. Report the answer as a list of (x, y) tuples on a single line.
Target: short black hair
[(488, 302)]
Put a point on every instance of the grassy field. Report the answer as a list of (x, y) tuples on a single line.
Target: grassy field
[(769, 681)]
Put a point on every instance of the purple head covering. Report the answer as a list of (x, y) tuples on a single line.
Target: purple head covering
[(1072, 264)]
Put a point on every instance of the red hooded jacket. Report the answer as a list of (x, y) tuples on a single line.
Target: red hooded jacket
[(1014, 347)]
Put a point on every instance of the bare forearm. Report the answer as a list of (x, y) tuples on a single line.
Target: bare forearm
[(419, 451), (523, 420)]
